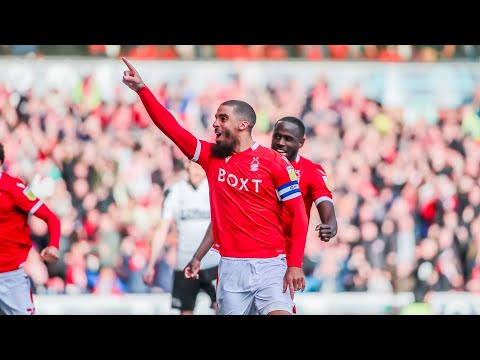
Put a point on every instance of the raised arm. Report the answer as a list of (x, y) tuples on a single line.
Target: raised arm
[(161, 117)]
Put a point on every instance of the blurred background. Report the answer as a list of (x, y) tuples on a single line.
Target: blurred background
[(396, 127)]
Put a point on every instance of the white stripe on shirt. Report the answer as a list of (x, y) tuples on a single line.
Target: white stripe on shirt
[(197, 151), (35, 207)]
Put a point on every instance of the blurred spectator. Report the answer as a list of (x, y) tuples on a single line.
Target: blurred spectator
[(407, 193), (387, 53)]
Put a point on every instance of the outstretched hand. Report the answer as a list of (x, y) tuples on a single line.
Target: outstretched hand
[(132, 78)]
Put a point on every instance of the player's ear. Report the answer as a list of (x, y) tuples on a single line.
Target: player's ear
[(302, 142), (243, 125)]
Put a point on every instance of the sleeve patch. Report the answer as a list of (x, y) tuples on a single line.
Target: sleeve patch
[(291, 173), (29, 194)]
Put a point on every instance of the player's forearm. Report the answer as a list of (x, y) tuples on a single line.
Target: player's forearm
[(205, 245), (296, 247), (157, 243), (167, 123), (326, 211), (53, 224)]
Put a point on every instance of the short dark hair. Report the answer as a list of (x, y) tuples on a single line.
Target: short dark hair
[(243, 110), (295, 121), (2, 153)]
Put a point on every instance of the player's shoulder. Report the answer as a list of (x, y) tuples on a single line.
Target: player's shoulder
[(307, 163), (180, 185), (171, 189), (206, 145), (274, 155), (10, 181)]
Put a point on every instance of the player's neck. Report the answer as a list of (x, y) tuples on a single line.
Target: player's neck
[(294, 158), (244, 144)]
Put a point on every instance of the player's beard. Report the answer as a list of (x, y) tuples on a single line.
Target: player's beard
[(226, 147)]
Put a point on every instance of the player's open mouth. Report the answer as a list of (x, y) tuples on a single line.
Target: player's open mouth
[(281, 151), (218, 135)]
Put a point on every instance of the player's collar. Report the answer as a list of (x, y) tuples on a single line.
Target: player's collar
[(246, 151), (251, 148)]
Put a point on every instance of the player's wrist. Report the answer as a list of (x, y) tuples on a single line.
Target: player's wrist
[(141, 88), (298, 266), (196, 258), (293, 263)]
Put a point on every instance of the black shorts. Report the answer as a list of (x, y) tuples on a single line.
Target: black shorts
[(185, 291)]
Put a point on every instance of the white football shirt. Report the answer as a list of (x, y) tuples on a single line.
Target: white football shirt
[(190, 209)]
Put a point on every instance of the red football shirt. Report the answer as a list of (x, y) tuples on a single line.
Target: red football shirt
[(17, 201), (246, 190), (313, 182), (314, 186)]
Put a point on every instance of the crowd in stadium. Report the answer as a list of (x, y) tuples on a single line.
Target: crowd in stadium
[(390, 53), (407, 195)]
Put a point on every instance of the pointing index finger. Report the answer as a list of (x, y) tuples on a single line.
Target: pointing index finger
[(130, 66)]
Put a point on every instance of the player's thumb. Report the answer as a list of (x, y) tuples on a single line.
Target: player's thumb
[(195, 273)]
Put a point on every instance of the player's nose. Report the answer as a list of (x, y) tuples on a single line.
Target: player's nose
[(281, 143)]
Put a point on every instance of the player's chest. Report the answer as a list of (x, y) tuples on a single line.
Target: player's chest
[(193, 200), (245, 174), (193, 206), (302, 179)]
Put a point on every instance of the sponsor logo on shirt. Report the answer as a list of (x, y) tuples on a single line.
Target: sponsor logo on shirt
[(241, 184), (254, 164), (194, 214)]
